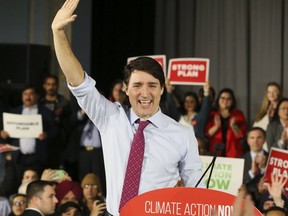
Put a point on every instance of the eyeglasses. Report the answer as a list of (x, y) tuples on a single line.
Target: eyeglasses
[(87, 186), (21, 203)]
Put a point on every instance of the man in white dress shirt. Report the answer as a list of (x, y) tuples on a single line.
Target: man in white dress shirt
[(171, 150)]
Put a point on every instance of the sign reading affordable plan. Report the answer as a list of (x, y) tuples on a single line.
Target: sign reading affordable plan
[(22, 126), (227, 175), (161, 59), (277, 163), (188, 71)]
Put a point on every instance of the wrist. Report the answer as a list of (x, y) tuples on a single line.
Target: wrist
[(279, 202)]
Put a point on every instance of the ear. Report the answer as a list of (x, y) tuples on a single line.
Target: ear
[(126, 90), (162, 90)]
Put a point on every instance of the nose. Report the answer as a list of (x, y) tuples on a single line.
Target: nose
[(144, 91)]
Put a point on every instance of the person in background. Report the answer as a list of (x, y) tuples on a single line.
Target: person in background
[(254, 160), (190, 113), (277, 131), (211, 94), (61, 108), (84, 148), (226, 125), (33, 152), (69, 209), (116, 92), (3, 108), (144, 79), (69, 191), (41, 198), (29, 175), (93, 202), (276, 211), (8, 185), (18, 204), (269, 103)]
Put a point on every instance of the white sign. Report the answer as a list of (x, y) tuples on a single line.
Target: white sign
[(22, 126), (227, 175)]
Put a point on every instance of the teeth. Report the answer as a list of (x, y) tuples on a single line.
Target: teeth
[(145, 101)]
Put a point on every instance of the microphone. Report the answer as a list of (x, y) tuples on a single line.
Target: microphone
[(218, 149)]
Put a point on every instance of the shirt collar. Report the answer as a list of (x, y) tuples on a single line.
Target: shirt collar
[(156, 119), (253, 154)]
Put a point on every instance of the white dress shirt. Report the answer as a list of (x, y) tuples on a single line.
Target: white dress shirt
[(28, 145), (171, 149)]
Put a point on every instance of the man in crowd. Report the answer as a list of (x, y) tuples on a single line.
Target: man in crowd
[(41, 198)]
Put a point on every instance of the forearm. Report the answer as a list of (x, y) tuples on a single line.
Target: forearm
[(69, 64)]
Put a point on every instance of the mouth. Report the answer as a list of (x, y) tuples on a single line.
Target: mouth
[(145, 102)]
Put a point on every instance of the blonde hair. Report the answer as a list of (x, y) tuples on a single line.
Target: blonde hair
[(265, 102)]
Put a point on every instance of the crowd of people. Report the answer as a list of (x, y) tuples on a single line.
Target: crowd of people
[(61, 172)]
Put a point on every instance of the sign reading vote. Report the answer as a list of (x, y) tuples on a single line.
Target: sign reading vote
[(227, 174), (278, 164), (188, 71), (182, 201), (22, 126), (161, 59)]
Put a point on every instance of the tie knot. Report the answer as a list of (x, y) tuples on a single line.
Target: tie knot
[(143, 124)]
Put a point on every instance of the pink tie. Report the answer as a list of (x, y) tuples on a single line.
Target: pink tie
[(134, 166)]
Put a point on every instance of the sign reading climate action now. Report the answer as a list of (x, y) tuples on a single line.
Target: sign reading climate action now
[(277, 163), (188, 71), (185, 201), (227, 175)]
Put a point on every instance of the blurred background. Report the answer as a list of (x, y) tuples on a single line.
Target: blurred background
[(245, 40)]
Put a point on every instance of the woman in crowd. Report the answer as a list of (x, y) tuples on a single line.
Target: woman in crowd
[(18, 204), (268, 106), (93, 202), (226, 125), (190, 113), (271, 97), (277, 131)]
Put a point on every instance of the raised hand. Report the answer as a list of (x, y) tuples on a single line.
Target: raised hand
[(276, 187), (98, 208), (65, 15)]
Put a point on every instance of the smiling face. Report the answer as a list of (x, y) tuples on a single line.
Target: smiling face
[(273, 93), (225, 101), (144, 93)]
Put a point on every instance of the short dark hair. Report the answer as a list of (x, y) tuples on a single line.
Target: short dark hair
[(36, 188), (30, 86), (49, 76), (256, 128), (146, 64), (277, 208)]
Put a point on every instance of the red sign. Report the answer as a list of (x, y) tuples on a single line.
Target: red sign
[(181, 201), (161, 59), (188, 71), (277, 163)]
